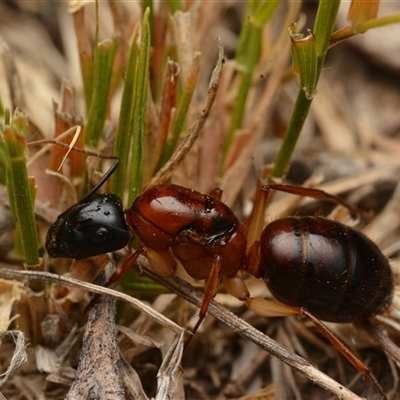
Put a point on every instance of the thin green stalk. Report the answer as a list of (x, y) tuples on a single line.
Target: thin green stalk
[(103, 67), (361, 27), (124, 133), (149, 4), (258, 13), (4, 120), (2, 110), (317, 49), (174, 6), (3, 163), (19, 188), (254, 45), (7, 117), (323, 28), (265, 10), (292, 134), (377, 22), (140, 112)]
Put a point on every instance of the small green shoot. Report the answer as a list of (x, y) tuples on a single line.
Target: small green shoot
[(140, 111), (21, 189), (308, 57), (258, 13), (103, 68), (124, 134)]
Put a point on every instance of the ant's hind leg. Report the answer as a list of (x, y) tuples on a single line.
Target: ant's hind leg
[(265, 308), (346, 352), (268, 308)]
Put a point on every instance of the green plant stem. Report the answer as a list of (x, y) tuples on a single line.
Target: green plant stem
[(103, 67), (20, 190), (140, 112), (254, 42), (124, 134), (323, 28), (174, 6), (148, 4), (3, 163), (292, 134), (324, 24), (258, 13)]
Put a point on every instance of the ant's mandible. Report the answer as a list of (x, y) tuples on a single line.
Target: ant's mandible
[(313, 266)]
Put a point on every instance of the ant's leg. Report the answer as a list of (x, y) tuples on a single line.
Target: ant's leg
[(268, 308), (312, 193), (256, 224), (126, 264), (216, 193), (117, 275), (263, 307), (162, 263), (346, 352), (209, 293)]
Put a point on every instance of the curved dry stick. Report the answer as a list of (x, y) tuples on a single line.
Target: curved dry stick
[(41, 276)]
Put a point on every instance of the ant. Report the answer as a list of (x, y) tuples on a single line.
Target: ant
[(315, 267)]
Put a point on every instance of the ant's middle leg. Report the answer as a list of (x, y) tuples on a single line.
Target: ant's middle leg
[(256, 224)]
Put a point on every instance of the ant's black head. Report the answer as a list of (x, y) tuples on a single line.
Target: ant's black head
[(94, 226)]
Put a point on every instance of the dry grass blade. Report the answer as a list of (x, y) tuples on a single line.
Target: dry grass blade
[(170, 370), (19, 356)]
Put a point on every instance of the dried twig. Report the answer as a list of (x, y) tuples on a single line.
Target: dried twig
[(98, 374), (19, 356)]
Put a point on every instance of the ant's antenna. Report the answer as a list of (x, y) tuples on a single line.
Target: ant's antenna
[(104, 178)]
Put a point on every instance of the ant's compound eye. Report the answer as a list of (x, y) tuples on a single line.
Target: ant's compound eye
[(101, 235)]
